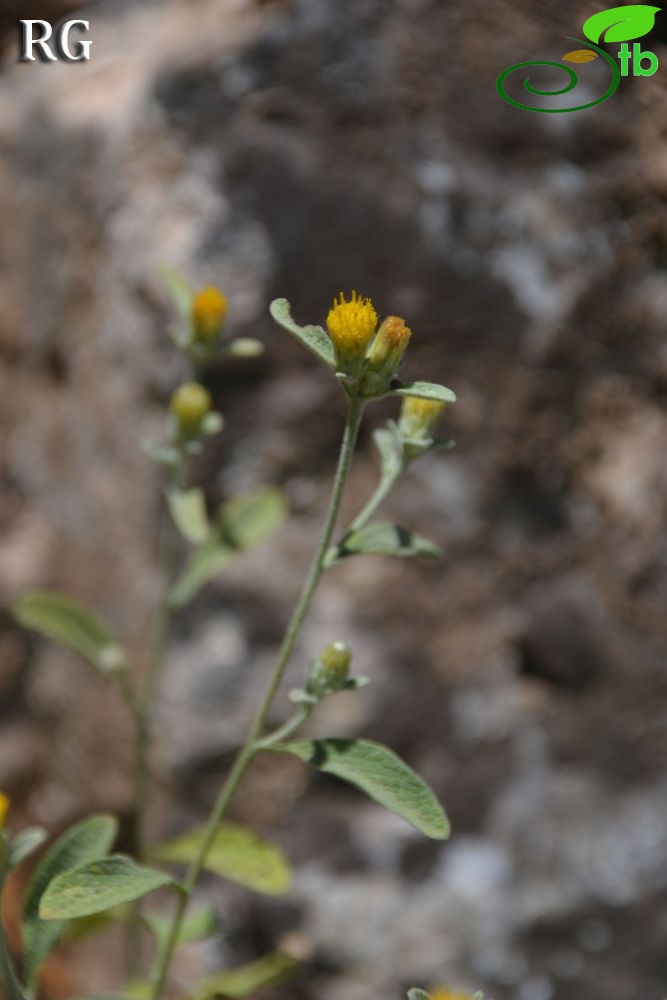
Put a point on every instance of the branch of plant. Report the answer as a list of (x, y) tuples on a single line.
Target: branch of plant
[(252, 742), (7, 972)]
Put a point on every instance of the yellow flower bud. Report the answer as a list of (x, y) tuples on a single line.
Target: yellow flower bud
[(385, 355), (189, 405), (443, 994), (419, 418), (4, 808), (209, 309), (351, 326)]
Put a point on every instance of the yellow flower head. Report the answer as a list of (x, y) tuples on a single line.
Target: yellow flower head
[(419, 417), (386, 354), (351, 326), (4, 809), (189, 405), (209, 309)]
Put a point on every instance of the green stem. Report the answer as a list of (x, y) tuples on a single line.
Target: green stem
[(289, 727), (12, 986), (142, 705), (384, 488), (250, 746)]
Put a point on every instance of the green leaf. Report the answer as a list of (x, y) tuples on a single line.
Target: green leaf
[(204, 564), (237, 854), (248, 979), (381, 774), (25, 843), (99, 885), (86, 841), (389, 444), (188, 512), (69, 622), (250, 518), (179, 289), (426, 390), (314, 338), (196, 926), (418, 995), (244, 521), (621, 24), (381, 538)]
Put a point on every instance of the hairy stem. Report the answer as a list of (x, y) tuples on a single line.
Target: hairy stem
[(142, 705), (250, 747), (384, 488)]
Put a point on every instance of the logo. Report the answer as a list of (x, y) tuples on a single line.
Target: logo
[(38, 41), (619, 24)]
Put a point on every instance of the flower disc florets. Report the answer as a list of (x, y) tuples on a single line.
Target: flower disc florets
[(351, 326)]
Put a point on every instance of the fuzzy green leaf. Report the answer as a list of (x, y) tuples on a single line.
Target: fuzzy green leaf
[(196, 926), (188, 512), (621, 24), (204, 564), (418, 995), (314, 338), (98, 886), (25, 843), (246, 980), (179, 289), (252, 517), (381, 538), (86, 841), (244, 521), (237, 854), (426, 390), (381, 774), (68, 621), (389, 444)]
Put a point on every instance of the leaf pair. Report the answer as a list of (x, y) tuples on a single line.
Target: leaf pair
[(241, 523)]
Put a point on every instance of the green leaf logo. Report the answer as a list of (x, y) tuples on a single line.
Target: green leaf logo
[(621, 24)]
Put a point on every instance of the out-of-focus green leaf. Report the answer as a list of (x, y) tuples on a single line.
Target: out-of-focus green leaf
[(418, 995), (250, 518), (381, 774), (196, 926), (23, 845), (314, 338), (242, 522), (381, 538), (237, 854), (86, 841), (246, 980), (69, 622), (204, 564), (98, 886), (188, 512), (179, 289)]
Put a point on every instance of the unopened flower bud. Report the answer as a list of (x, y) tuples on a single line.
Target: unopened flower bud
[(4, 808), (351, 326), (419, 418), (386, 354), (189, 405), (209, 309), (332, 669)]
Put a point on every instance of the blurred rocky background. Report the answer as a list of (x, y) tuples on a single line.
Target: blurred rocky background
[(296, 148)]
